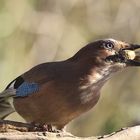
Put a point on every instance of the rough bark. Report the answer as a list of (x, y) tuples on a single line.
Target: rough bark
[(10, 130)]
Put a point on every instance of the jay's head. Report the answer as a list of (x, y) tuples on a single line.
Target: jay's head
[(110, 52)]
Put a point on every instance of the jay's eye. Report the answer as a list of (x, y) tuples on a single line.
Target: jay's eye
[(108, 45)]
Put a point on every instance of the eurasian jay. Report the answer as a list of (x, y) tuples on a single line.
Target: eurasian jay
[(57, 92)]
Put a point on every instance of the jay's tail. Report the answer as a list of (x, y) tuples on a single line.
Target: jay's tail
[(5, 106)]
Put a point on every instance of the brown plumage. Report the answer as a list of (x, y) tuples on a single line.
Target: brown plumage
[(65, 90)]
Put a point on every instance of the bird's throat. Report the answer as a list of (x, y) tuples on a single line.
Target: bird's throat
[(90, 89)]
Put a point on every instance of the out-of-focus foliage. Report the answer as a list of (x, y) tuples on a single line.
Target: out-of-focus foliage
[(36, 31)]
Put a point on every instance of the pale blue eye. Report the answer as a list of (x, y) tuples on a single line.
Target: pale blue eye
[(108, 45)]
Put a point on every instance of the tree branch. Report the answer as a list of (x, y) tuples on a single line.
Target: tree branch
[(10, 130)]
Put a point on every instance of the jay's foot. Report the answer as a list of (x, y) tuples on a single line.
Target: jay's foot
[(45, 127)]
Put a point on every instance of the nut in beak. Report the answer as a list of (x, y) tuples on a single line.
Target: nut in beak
[(128, 54)]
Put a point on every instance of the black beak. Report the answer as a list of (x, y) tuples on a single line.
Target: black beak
[(136, 60), (132, 47), (132, 63)]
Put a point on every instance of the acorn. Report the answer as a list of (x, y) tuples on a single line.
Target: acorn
[(128, 54)]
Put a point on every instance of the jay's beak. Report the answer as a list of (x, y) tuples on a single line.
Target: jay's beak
[(127, 55)]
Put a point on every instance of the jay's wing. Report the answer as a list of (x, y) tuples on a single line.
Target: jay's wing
[(30, 82), (23, 86)]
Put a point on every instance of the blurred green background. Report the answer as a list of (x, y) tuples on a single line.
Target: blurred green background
[(37, 31)]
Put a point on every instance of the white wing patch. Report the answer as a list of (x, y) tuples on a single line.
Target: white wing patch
[(12, 84)]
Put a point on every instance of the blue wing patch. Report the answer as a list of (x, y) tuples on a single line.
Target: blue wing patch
[(26, 89)]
